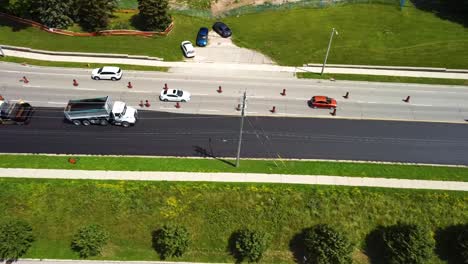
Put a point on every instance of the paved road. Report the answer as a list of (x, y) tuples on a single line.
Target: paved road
[(160, 133), (53, 87)]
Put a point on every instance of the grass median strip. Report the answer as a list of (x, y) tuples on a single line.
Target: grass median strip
[(211, 212), (80, 64), (381, 78), (247, 166)]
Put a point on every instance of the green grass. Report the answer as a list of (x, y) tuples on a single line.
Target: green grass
[(369, 34), (127, 4), (247, 166), (164, 47), (381, 78), (212, 211), (80, 65)]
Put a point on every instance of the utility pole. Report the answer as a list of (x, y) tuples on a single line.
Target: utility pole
[(241, 128), (328, 50)]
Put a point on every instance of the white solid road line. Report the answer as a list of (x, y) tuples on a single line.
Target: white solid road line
[(209, 110), (85, 89), (59, 103)]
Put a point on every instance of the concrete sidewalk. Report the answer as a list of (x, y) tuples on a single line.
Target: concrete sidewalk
[(234, 177), (228, 67)]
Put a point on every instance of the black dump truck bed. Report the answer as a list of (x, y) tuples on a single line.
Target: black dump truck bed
[(86, 104)]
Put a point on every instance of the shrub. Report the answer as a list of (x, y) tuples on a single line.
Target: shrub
[(452, 243), (16, 237), (171, 241), (90, 240), (462, 244), (407, 243), (323, 244), (249, 244)]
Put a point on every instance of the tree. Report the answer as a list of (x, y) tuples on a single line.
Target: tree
[(16, 237), (171, 241), (52, 13), (89, 240), (94, 15), (323, 245), (153, 14), (407, 243), (249, 244), (461, 245)]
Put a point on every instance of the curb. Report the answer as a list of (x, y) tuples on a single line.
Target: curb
[(401, 68), (78, 54)]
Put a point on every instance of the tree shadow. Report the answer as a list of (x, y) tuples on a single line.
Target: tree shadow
[(205, 153), (15, 26), (296, 246), (8, 261), (453, 10), (446, 243), (154, 235), (231, 247), (374, 245), (137, 22)]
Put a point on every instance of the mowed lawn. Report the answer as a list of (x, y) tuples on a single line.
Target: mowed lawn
[(186, 28), (211, 212), (370, 34), (278, 166)]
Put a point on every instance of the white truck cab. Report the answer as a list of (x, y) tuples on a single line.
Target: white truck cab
[(124, 114)]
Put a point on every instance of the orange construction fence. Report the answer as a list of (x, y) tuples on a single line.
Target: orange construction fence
[(118, 32)]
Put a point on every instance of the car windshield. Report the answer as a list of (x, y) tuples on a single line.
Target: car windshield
[(100, 70), (119, 70), (180, 93), (124, 110), (329, 100)]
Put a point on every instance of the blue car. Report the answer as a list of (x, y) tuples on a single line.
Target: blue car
[(202, 37)]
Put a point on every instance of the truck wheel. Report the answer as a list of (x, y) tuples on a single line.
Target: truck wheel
[(76, 122), (125, 124), (103, 122), (86, 123)]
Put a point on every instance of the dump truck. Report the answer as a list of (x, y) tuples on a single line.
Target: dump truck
[(15, 113), (101, 111)]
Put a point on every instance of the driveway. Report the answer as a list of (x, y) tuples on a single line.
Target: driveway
[(223, 50)]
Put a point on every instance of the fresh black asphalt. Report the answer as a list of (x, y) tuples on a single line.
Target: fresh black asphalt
[(166, 134)]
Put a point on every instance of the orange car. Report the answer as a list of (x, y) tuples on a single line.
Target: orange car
[(322, 102)]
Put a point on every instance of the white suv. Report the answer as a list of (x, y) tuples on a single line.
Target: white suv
[(107, 73)]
